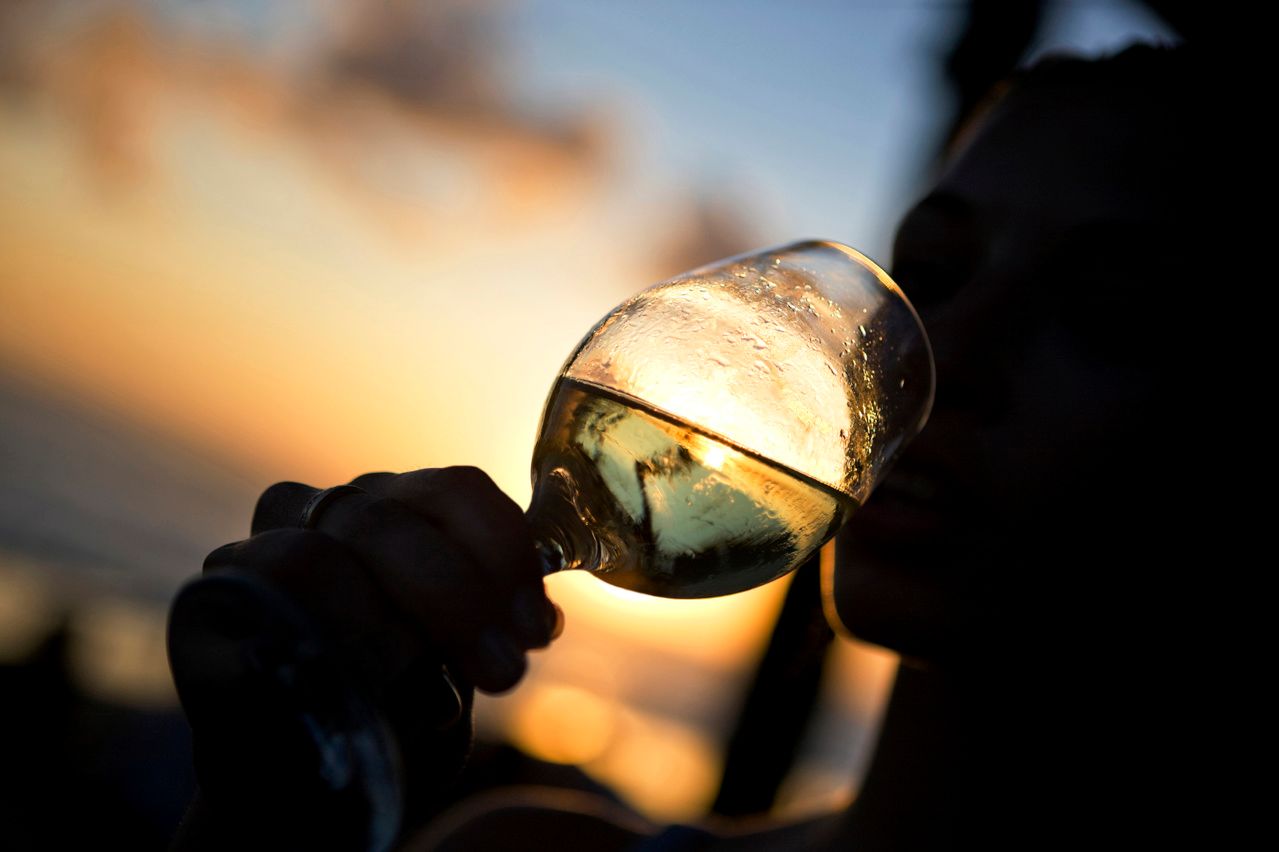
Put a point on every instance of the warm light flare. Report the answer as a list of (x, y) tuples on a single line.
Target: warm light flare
[(118, 653), (28, 612), (669, 767), (866, 674), (714, 456), (723, 632), (564, 724)]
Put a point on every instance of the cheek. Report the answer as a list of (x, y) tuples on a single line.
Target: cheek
[(1035, 436), (1073, 426)]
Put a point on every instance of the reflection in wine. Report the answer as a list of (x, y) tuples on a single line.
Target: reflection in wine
[(664, 508)]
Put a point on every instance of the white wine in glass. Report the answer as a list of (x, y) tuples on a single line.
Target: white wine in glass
[(713, 431)]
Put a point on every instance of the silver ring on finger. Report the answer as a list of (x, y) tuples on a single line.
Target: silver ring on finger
[(320, 501)]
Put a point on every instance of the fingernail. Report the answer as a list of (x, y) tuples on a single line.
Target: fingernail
[(532, 616), (559, 622)]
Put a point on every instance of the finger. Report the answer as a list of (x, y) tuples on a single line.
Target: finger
[(435, 583), (255, 667), (463, 609), (281, 506), (371, 636), (488, 526), (346, 606), (486, 523), (373, 483)]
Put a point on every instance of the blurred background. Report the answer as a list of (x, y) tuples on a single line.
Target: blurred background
[(244, 241)]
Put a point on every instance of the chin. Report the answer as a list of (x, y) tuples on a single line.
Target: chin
[(907, 593), (915, 619)]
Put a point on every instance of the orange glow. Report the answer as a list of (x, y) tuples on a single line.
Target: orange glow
[(808, 794), (723, 632), (118, 653), (827, 566), (167, 305), (866, 672), (669, 767), (564, 724), (27, 610)]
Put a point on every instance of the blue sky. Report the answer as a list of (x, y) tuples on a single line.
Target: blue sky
[(818, 117)]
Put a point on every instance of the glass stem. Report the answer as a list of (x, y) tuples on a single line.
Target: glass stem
[(563, 539)]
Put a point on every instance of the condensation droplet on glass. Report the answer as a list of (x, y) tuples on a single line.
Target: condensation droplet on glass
[(901, 383), (862, 330)]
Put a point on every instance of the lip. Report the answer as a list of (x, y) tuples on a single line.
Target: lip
[(917, 500), (888, 516)]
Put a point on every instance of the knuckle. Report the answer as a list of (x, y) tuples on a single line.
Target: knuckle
[(280, 505), (373, 480), (412, 486), (353, 517), (375, 511), (273, 549), (464, 478), (279, 491), (496, 678), (298, 546), (501, 661)]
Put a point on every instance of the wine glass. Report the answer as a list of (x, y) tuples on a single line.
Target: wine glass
[(713, 431)]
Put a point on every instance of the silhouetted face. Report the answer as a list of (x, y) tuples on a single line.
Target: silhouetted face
[(1045, 267)]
